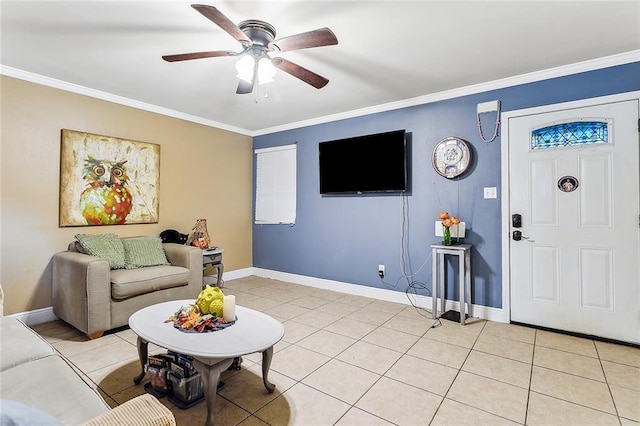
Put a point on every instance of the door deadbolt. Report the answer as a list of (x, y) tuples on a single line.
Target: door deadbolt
[(516, 220)]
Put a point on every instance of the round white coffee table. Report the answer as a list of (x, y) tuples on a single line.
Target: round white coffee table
[(213, 352)]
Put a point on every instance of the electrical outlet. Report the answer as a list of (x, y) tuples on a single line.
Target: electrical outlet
[(490, 192), (381, 271)]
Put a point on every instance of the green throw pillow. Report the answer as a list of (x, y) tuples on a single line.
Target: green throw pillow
[(107, 246), (141, 252)]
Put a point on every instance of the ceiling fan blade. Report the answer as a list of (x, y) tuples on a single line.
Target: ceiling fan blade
[(315, 38), (215, 16), (196, 55), (300, 72)]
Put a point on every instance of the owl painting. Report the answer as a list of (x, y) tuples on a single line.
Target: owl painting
[(106, 180), (106, 199)]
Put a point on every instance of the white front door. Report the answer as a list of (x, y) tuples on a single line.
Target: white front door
[(577, 265)]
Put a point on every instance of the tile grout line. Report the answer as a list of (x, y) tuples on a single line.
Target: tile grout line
[(383, 375), (356, 340), (606, 380), (537, 343), (533, 356), (456, 376)]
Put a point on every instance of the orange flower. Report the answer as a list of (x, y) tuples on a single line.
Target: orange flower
[(448, 220)]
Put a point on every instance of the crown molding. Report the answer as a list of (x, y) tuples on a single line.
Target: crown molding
[(121, 100), (590, 65)]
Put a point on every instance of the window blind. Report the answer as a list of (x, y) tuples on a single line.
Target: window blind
[(276, 185)]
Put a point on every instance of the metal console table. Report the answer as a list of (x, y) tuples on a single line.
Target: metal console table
[(438, 253)]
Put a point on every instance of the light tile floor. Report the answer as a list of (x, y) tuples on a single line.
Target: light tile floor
[(349, 360)]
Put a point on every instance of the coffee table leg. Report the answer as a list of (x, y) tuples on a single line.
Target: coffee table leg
[(210, 379), (143, 351), (267, 355)]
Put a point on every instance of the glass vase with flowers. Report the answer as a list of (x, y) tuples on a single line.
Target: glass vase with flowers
[(447, 222)]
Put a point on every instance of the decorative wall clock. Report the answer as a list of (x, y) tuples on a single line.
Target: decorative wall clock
[(451, 157)]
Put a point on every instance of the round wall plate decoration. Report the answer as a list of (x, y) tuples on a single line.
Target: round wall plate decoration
[(568, 183), (451, 157)]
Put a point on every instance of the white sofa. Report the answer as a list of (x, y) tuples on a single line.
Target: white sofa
[(38, 387)]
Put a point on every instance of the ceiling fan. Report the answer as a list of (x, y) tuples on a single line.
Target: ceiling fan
[(258, 39)]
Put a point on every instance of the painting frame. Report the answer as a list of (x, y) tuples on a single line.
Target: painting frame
[(106, 180)]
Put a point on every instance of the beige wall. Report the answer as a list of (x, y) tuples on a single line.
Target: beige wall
[(205, 172)]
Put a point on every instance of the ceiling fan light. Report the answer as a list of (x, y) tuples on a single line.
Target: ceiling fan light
[(266, 71), (245, 67)]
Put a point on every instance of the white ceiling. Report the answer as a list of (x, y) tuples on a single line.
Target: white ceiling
[(388, 51)]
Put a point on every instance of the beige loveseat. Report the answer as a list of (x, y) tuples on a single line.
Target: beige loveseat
[(94, 298), (39, 387)]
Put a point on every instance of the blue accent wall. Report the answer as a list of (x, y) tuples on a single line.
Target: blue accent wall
[(345, 238)]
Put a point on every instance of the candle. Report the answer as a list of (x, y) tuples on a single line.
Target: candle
[(229, 308)]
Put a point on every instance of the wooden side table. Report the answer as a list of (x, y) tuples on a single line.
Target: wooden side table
[(213, 257), (438, 253)]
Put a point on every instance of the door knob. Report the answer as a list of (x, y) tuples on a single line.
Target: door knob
[(517, 236)]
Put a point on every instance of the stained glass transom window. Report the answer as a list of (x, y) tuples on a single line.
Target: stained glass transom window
[(570, 134)]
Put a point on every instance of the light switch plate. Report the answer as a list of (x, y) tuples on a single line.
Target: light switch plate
[(490, 192)]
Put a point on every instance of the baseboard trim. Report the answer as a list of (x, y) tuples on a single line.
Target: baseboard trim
[(37, 316), (43, 315), (228, 276), (479, 311), (238, 273)]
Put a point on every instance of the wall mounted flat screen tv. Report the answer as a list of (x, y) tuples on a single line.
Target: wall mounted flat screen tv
[(370, 163)]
